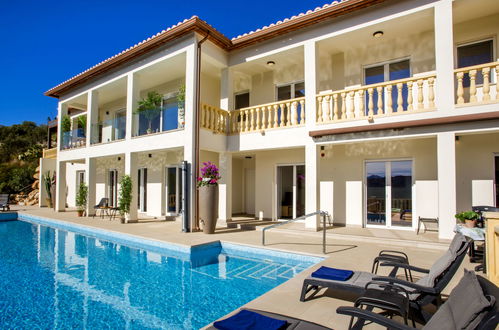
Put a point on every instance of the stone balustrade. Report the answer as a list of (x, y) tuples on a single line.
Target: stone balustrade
[(214, 119), (390, 98), (474, 84)]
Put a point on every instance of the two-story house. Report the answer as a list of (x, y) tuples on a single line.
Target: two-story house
[(377, 111)]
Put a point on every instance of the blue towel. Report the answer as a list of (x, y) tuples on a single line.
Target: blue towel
[(248, 320), (332, 274)]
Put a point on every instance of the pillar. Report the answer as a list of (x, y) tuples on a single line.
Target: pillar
[(225, 187), (131, 161), (310, 59), (92, 117), (132, 97), (226, 90), (60, 187), (311, 169), (61, 111), (90, 180), (446, 158), (191, 73), (444, 54)]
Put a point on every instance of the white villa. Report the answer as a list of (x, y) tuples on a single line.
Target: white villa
[(377, 111)]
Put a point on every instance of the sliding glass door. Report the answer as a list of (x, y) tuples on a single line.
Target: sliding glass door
[(142, 190), (388, 189), (112, 191), (290, 191), (173, 187)]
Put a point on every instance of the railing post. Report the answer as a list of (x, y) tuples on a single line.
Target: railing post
[(324, 232)]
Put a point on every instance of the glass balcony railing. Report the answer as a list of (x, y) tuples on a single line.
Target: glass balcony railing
[(162, 120), (73, 139), (109, 130)]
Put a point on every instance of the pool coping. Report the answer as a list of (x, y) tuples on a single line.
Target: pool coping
[(162, 246)]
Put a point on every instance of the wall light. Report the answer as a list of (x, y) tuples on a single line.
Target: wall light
[(378, 34), (150, 155), (119, 158), (271, 63)]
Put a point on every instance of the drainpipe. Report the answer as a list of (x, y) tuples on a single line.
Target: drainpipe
[(196, 129)]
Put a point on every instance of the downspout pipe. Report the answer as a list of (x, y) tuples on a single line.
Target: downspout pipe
[(196, 129)]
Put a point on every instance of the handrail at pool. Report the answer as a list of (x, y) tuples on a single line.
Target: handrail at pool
[(324, 215)]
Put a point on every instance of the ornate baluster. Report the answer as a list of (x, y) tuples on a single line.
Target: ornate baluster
[(276, 115), (269, 116), (203, 115), (252, 119), (472, 86), (343, 105), (497, 82), (409, 96), (360, 111), (247, 120), (319, 109), (370, 103), (264, 117), (294, 106), (379, 89), (431, 93), (420, 94), (351, 105), (327, 110), (400, 100), (288, 114), (460, 88), (213, 116), (486, 84), (389, 108), (257, 124), (335, 107), (302, 112)]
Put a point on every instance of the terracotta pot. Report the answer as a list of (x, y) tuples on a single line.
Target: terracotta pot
[(208, 208), (470, 223), (49, 202), (80, 213)]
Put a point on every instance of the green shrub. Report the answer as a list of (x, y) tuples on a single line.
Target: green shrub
[(125, 197)]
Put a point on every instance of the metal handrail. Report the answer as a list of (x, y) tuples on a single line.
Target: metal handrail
[(324, 215)]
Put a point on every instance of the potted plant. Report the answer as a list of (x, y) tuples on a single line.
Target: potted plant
[(181, 106), (208, 197), (125, 196), (81, 199), (150, 107), (469, 218), (48, 182), (66, 128)]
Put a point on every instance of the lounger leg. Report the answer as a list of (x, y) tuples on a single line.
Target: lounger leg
[(306, 288)]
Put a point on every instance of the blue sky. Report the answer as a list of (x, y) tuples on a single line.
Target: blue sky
[(43, 43)]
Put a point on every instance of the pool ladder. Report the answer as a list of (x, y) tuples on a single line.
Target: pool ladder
[(325, 216)]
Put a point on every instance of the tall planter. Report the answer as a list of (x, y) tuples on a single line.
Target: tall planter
[(208, 208)]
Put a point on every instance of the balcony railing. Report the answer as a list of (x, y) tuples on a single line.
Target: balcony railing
[(390, 98), (167, 119), (73, 139), (475, 84), (50, 153), (109, 130), (214, 119)]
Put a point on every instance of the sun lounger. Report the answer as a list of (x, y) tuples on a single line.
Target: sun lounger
[(4, 202)]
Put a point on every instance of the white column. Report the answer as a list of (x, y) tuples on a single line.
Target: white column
[(444, 54), (61, 111), (132, 97), (311, 169), (92, 116), (90, 180), (227, 90), (225, 187), (446, 158), (131, 170), (189, 129), (60, 187), (310, 58)]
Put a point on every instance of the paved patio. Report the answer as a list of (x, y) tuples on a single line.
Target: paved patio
[(348, 248)]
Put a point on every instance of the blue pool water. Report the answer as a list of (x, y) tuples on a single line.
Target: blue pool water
[(53, 278)]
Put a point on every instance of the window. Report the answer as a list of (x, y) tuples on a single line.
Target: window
[(290, 91), (119, 124), (170, 118), (241, 100), (395, 70), (475, 54)]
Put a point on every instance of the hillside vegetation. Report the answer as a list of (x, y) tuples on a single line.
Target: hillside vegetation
[(21, 147)]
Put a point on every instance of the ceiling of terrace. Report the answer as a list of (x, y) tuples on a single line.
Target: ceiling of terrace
[(162, 72), (283, 59), (465, 10)]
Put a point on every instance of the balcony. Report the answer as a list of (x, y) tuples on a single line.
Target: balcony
[(109, 130), (50, 153), (477, 84), (168, 117), (73, 139)]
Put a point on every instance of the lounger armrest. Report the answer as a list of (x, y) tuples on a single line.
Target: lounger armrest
[(406, 266), (370, 316), (382, 252), (417, 288)]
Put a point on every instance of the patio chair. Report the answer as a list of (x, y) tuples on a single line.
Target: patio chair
[(257, 319), (102, 206), (426, 290), (4, 202), (472, 304)]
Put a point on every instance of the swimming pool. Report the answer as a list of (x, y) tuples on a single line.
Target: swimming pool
[(57, 278)]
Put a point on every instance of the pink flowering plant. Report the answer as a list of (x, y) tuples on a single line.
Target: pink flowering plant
[(209, 175)]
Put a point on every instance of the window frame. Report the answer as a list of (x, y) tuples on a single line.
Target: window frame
[(293, 89), (472, 42), (386, 68), (246, 91)]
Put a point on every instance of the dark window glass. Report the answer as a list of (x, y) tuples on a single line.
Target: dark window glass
[(283, 93), (242, 100), (474, 54)]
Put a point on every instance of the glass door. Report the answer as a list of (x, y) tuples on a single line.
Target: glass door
[(173, 188), (113, 188), (389, 193), (142, 190), (120, 125), (290, 191)]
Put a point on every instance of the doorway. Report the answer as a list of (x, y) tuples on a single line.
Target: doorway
[(388, 189), (496, 179), (173, 190), (142, 186), (290, 191), (112, 187)]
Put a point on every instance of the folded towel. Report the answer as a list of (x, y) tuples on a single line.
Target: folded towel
[(329, 273), (248, 320)]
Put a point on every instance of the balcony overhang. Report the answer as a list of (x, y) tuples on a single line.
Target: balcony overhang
[(407, 124)]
